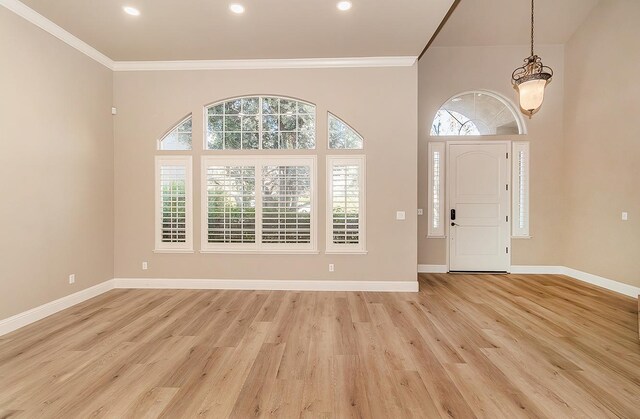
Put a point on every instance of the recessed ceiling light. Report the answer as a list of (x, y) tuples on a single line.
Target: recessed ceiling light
[(131, 11), (344, 5), (236, 8)]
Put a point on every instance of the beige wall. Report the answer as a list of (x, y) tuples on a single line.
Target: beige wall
[(446, 71), (379, 102), (602, 143), (56, 164)]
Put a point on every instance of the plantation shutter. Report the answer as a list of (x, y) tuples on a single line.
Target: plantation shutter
[(520, 172), (173, 203), (258, 203), (436, 216), (231, 206), (286, 204), (345, 223)]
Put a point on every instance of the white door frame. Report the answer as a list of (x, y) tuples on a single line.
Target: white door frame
[(448, 203)]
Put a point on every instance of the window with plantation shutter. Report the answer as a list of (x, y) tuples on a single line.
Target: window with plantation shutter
[(173, 204), (286, 204), (520, 172), (259, 203), (436, 216), (346, 204), (231, 204)]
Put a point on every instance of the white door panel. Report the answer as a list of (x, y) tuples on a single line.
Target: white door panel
[(478, 192)]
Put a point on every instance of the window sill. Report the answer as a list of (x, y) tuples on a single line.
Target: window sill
[(262, 252), (346, 252), (172, 251)]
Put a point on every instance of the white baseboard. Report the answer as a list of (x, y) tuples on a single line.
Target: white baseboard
[(30, 316), (599, 281), (602, 282), (433, 269), (267, 285), (538, 269)]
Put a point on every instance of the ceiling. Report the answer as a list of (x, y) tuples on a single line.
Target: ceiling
[(507, 22), (269, 29)]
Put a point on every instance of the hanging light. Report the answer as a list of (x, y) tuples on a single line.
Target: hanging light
[(531, 79)]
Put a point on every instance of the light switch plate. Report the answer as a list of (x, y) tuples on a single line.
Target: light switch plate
[(625, 216), (400, 215)]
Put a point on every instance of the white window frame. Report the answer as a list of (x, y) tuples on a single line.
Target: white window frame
[(187, 246), (436, 186), (258, 162), (521, 163), (360, 248)]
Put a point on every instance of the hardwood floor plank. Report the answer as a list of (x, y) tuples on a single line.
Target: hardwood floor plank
[(350, 395), (286, 400), (318, 396), (260, 383), (150, 403)]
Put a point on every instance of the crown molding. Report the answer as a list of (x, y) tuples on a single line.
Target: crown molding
[(355, 62), (45, 24)]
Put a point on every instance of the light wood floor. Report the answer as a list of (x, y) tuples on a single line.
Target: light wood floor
[(465, 346)]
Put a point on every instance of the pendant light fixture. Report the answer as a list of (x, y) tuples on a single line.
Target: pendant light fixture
[(531, 79)]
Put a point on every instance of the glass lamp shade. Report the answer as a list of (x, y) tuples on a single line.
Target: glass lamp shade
[(531, 95)]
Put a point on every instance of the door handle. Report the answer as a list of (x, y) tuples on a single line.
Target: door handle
[(454, 224), (453, 214)]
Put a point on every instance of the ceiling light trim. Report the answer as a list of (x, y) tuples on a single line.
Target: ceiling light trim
[(357, 62), (45, 24)]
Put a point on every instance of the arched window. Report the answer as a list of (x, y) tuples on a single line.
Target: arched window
[(477, 113), (179, 138), (261, 123), (342, 136)]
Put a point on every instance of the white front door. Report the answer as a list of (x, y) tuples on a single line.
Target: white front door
[(478, 188)]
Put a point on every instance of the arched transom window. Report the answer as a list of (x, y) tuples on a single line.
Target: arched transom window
[(261, 123), (179, 138), (476, 113), (342, 136)]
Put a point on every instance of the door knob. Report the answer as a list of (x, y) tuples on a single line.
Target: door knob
[(453, 224)]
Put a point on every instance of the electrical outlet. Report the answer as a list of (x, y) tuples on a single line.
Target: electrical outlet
[(401, 215), (72, 278), (145, 266), (331, 267), (625, 216), (420, 211)]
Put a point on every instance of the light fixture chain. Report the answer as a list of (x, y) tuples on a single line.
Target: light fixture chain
[(532, 27)]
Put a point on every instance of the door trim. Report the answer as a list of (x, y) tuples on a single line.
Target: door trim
[(448, 204)]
